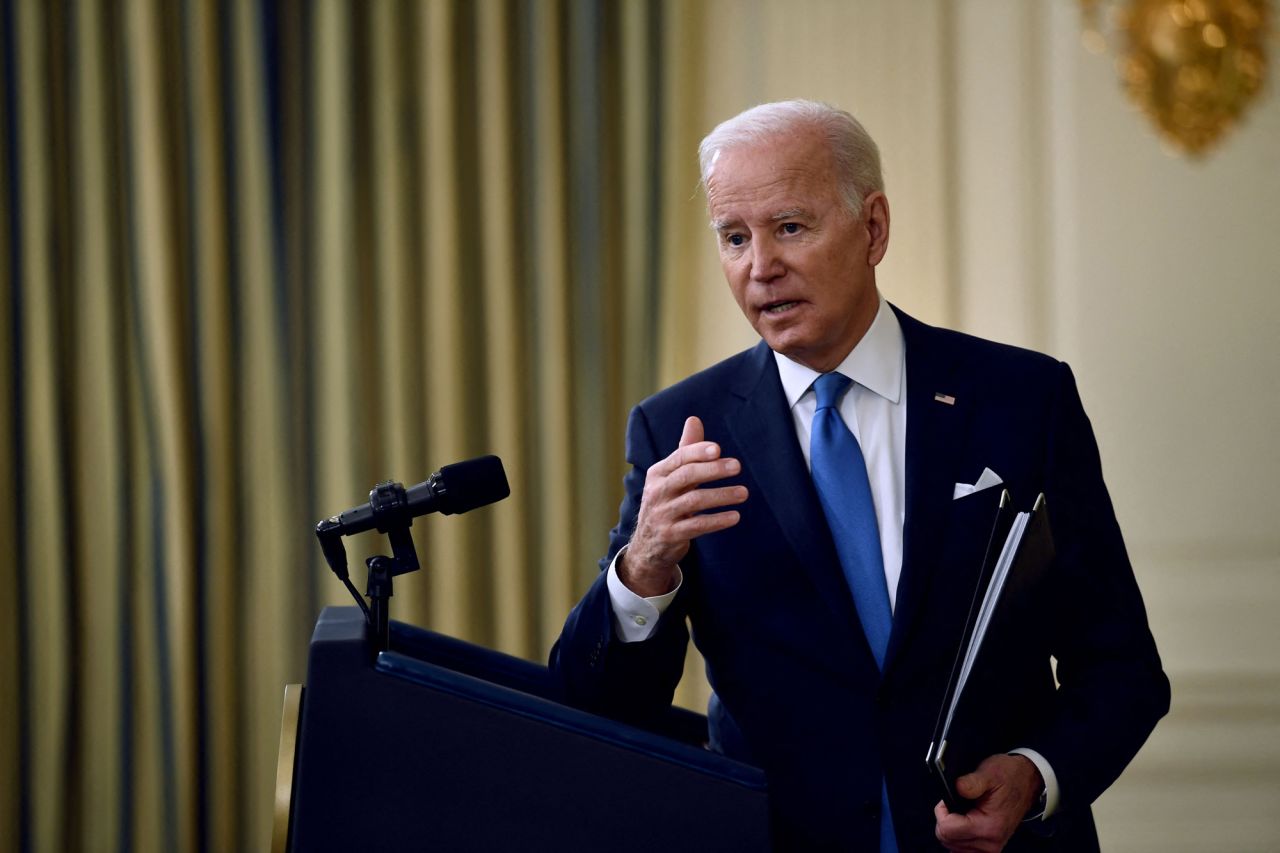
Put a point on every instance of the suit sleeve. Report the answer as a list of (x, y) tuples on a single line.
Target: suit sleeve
[(1112, 690), (597, 671)]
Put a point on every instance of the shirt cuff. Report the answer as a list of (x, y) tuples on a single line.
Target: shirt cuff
[(635, 618), (1050, 781)]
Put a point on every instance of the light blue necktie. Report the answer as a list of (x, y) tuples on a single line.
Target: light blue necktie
[(840, 476)]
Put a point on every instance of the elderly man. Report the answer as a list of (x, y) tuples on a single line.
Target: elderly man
[(799, 504)]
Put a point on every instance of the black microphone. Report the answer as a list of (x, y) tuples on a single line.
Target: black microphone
[(457, 488), (460, 487)]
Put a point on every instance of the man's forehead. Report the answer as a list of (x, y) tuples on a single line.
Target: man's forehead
[(764, 190)]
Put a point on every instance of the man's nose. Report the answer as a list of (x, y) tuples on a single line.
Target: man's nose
[(766, 264)]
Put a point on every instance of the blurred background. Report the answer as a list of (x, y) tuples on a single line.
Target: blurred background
[(257, 256)]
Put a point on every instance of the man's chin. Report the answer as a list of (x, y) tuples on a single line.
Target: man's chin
[(798, 354), (784, 339)]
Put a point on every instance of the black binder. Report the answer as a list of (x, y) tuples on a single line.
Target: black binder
[(1019, 551)]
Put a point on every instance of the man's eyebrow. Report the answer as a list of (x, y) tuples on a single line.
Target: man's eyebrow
[(721, 225)]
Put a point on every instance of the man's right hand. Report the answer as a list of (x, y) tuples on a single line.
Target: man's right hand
[(671, 511)]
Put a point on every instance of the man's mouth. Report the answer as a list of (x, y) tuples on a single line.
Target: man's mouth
[(779, 307)]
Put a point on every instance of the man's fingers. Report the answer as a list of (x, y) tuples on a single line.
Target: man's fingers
[(694, 457), (692, 433), (953, 831), (696, 474), (685, 454), (692, 448), (971, 786), (952, 826), (674, 508), (680, 494), (700, 525), (701, 500), (668, 513), (1002, 798)]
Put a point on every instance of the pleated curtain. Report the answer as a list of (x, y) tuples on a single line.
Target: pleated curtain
[(256, 257)]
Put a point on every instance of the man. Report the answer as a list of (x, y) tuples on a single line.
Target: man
[(823, 536)]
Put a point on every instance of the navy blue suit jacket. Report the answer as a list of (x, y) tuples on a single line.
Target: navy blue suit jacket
[(785, 653)]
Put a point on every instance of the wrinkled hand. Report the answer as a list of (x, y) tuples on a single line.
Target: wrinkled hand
[(1004, 787), (670, 510)]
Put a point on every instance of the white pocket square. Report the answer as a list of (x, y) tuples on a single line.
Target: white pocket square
[(988, 479)]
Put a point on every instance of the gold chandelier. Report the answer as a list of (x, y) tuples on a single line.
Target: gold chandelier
[(1194, 67)]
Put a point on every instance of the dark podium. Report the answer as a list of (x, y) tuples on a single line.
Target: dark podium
[(438, 744)]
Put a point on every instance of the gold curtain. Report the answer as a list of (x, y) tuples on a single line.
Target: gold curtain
[(258, 256)]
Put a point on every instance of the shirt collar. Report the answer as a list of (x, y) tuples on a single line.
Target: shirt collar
[(876, 362)]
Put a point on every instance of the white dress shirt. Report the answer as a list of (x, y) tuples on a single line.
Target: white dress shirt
[(875, 410)]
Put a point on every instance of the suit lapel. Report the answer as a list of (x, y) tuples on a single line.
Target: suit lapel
[(935, 437), (765, 435)]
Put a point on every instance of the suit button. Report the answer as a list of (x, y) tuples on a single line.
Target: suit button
[(871, 809)]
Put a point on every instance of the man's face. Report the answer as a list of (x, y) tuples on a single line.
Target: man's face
[(801, 267)]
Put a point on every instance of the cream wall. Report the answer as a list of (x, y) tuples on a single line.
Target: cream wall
[(1165, 294), (1032, 205)]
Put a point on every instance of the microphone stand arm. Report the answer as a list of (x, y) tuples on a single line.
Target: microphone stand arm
[(390, 506)]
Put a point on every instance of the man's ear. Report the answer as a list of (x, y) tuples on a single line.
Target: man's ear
[(875, 213)]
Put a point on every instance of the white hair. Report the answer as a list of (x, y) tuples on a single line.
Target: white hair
[(856, 156)]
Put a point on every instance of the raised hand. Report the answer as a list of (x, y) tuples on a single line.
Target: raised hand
[(671, 510)]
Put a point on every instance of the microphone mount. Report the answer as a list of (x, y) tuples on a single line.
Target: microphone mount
[(391, 509)]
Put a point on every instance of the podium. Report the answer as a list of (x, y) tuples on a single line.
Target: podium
[(438, 744)]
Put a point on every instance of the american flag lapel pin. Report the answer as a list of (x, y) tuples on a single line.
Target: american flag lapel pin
[(944, 398)]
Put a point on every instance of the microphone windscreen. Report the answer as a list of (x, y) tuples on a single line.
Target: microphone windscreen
[(463, 486)]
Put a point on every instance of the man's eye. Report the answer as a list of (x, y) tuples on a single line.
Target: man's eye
[(735, 240), (791, 227)]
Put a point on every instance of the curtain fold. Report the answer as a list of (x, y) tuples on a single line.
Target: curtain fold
[(258, 257)]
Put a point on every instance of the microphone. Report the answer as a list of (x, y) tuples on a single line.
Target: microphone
[(457, 488), (460, 487)]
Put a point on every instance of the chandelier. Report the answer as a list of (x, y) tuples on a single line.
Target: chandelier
[(1193, 67)]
